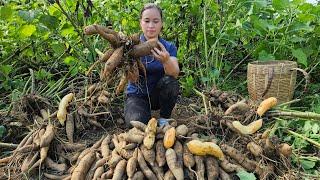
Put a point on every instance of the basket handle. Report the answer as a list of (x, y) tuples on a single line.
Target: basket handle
[(270, 78), (306, 76)]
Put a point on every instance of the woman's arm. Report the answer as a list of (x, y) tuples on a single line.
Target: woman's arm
[(170, 63)]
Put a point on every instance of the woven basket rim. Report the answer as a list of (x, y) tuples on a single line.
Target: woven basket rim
[(272, 62)]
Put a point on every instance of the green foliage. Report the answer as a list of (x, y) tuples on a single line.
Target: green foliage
[(212, 37), (244, 175), (307, 128), (306, 164), (187, 85)]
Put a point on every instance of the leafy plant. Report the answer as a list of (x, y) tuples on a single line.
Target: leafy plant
[(187, 85)]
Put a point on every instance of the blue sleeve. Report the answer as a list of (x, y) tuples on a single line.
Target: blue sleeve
[(172, 50)]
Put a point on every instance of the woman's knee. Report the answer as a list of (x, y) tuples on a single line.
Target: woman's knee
[(136, 109), (168, 85)]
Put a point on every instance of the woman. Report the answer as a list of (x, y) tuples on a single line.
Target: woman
[(159, 90)]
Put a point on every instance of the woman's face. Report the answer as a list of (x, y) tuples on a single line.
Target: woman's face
[(151, 23)]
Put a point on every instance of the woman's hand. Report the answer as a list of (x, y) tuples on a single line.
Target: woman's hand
[(170, 64), (161, 54)]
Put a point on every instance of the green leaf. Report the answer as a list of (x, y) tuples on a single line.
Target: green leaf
[(306, 17), (262, 25), (69, 60), (2, 131), (50, 22), (43, 74), (298, 2), (58, 48), (301, 56), (238, 23), (280, 4), (67, 29), (124, 22), (261, 3), (5, 69), (264, 56), (315, 136), (306, 7), (315, 128), (74, 71), (27, 30), (307, 126), (6, 12), (244, 175), (300, 143), (299, 26), (27, 15), (296, 39), (307, 164), (188, 85), (54, 10), (16, 95)]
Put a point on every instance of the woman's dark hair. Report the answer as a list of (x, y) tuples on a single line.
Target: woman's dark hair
[(151, 6)]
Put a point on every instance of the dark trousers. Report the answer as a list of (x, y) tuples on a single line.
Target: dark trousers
[(163, 97)]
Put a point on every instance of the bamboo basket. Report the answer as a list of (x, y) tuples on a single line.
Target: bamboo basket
[(272, 79)]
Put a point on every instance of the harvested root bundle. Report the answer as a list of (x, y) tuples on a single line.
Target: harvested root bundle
[(129, 55)]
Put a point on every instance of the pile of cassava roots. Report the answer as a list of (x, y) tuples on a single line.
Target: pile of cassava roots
[(219, 147)]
